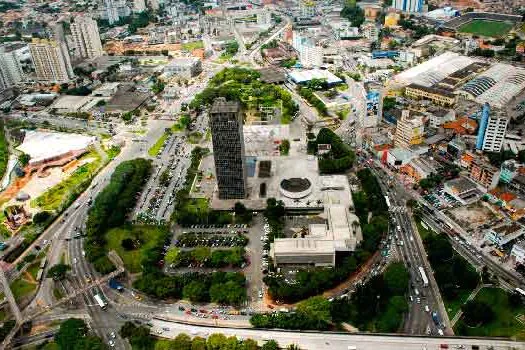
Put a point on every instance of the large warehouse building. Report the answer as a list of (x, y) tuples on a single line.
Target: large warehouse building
[(452, 74)]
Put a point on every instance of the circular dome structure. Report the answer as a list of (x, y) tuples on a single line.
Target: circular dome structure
[(295, 187)]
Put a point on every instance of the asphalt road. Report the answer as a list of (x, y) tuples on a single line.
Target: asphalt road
[(418, 321), (336, 341)]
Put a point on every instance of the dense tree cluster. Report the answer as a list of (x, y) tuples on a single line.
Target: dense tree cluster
[(354, 13), (242, 84), (477, 313), (445, 263), (378, 305), (111, 207), (313, 313), (219, 287), (340, 157), (231, 48), (58, 272), (204, 256), (74, 335)]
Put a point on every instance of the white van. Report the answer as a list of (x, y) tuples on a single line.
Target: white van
[(427, 309)]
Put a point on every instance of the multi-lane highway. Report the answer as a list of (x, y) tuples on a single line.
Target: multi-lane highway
[(424, 297), (337, 341)]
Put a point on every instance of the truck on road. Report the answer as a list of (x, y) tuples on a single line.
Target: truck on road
[(423, 276)]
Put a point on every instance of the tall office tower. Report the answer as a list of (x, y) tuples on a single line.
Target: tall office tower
[(492, 129), (310, 54), (228, 148), (10, 69), (86, 37), (51, 61), (307, 8), (139, 6), (409, 130), (110, 11), (410, 6)]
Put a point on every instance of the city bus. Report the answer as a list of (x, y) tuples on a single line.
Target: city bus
[(103, 305)]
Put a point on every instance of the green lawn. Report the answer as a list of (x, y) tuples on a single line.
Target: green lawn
[(193, 45), (33, 269), (62, 194), (155, 149), (486, 28), (423, 232), (454, 305), (504, 324), (132, 258), (22, 288), (4, 152)]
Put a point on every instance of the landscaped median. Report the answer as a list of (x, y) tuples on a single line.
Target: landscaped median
[(155, 149)]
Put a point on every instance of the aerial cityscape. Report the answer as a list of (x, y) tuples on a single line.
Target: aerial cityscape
[(262, 174)]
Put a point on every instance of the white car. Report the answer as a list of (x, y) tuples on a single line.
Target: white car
[(112, 335), (111, 343)]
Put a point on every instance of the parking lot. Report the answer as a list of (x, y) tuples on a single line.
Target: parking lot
[(157, 200)]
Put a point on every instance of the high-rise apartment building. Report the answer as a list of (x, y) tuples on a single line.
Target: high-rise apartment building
[(310, 54), (492, 129), (228, 148), (114, 10), (51, 61), (410, 6), (86, 37), (10, 69), (409, 130)]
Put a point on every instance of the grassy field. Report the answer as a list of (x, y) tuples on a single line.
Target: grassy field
[(423, 232), (454, 305), (155, 149), (145, 234), (195, 137), (504, 324), (193, 45), (22, 288), (33, 269), (486, 28), (66, 191)]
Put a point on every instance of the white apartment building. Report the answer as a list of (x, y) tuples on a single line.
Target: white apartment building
[(10, 69), (310, 55), (86, 37), (51, 61), (307, 8), (495, 132), (114, 10), (517, 253), (139, 6), (369, 30), (409, 130)]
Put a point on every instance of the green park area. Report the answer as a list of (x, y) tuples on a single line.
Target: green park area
[(63, 194), (493, 313), (131, 242), (486, 28), (193, 45), (4, 153), (22, 287), (155, 149), (244, 84)]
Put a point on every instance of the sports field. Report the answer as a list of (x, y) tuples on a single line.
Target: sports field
[(483, 27)]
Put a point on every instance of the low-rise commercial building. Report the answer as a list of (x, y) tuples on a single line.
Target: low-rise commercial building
[(184, 67), (504, 234), (517, 254), (485, 174), (438, 96), (463, 190)]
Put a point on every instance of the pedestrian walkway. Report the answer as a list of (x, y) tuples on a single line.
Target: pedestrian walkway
[(470, 297)]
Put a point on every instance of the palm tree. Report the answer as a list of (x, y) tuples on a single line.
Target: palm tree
[(293, 347)]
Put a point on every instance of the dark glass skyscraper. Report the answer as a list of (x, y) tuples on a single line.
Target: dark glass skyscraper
[(228, 148)]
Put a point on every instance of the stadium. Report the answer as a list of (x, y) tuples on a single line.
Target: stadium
[(483, 23)]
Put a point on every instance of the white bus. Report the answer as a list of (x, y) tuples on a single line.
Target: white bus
[(423, 276), (387, 200), (520, 291), (103, 305)]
